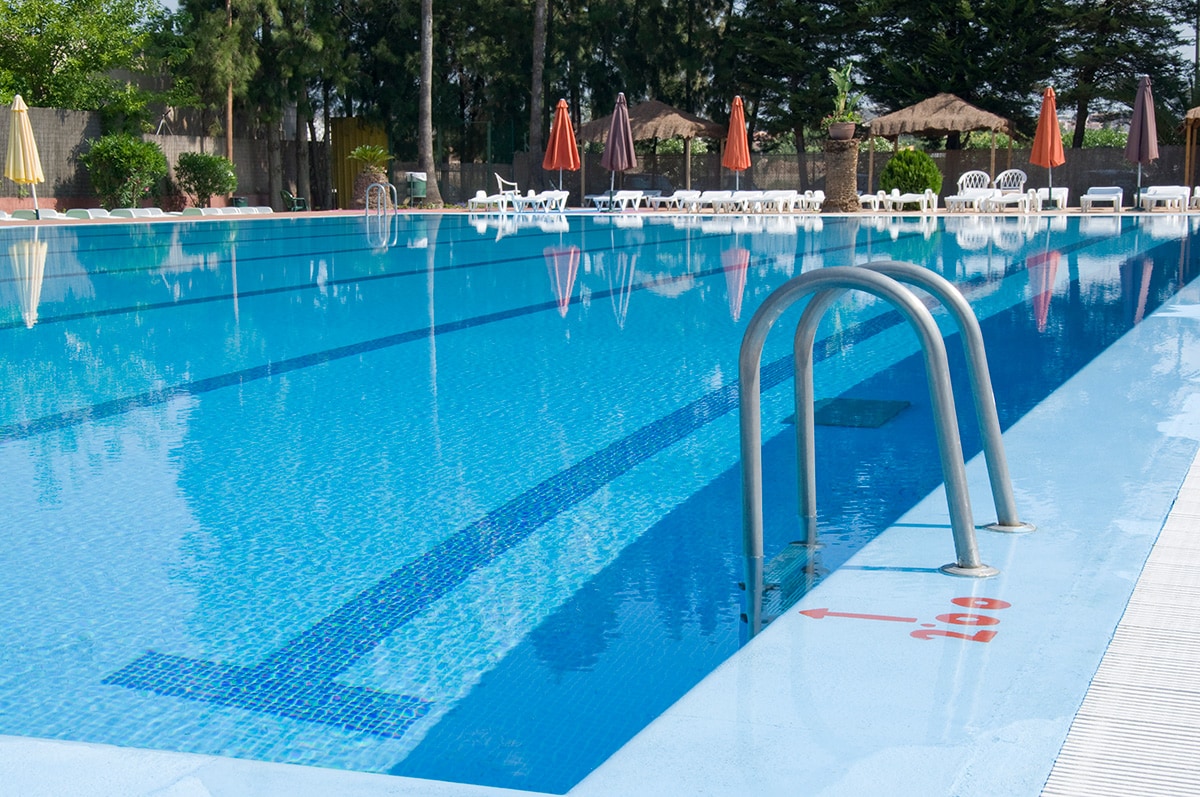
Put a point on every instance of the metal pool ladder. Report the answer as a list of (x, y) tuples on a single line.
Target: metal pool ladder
[(385, 197), (882, 279)]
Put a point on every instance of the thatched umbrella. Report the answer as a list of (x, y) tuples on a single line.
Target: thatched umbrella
[(653, 120), (935, 117)]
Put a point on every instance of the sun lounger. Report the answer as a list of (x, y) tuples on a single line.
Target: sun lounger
[(88, 213), (707, 199), (925, 201), (1102, 195), (780, 200), (674, 200), (1054, 196), (1167, 197), (27, 214), (618, 200), (1025, 201)]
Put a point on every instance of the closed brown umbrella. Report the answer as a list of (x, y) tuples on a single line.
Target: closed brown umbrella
[(1142, 146), (561, 152), (737, 149), (618, 149), (1047, 141)]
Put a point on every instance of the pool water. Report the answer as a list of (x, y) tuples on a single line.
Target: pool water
[(457, 497)]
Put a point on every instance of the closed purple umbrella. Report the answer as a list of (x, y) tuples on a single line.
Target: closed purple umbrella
[(618, 149), (1142, 146)]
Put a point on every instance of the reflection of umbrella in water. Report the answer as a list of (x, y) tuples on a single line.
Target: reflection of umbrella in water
[(1134, 280), (1047, 149), (563, 266), (735, 263), (618, 149), (737, 150), (561, 151), (28, 260), (1042, 269), (1142, 144), (23, 165), (620, 268)]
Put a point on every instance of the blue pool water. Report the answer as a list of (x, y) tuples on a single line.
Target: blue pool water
[(450, 497)]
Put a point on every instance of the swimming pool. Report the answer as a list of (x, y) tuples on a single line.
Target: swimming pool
[(457, 498)]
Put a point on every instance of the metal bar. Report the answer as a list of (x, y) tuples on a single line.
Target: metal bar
[(981, 383), (838, 279)]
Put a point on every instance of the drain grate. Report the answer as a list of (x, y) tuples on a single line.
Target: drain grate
[(862, 413)]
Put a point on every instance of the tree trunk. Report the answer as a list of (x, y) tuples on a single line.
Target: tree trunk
[(275, 163), (425, 108), (801, 155), (1081, 116), (303, 180), (537, 94)]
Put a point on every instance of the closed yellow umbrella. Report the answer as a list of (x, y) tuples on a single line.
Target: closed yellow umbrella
[(23, 166)]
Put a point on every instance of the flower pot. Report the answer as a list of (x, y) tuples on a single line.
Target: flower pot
[(841, 131)]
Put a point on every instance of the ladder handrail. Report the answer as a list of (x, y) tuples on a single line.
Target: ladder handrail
[(828, 283), (386, 192), (981, 383)]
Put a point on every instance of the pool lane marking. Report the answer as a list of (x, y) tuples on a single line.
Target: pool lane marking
[(313, 659), (338, 641)]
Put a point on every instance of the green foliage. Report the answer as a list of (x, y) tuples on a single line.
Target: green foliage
[(982, 139), (1104, 137), (60, 54), (204, 176), (123, 169), (372, 156), (845, 104), (911, 171)]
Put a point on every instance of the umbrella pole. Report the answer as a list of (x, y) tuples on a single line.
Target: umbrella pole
[(612, 189), (37, 213)]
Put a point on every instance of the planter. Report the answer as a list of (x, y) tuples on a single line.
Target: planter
[(841, 131)]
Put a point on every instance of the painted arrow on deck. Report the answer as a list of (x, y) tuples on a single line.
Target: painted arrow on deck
[(817, 614)]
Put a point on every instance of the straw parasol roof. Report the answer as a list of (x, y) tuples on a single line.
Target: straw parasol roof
[(937, 116), (653, 119)]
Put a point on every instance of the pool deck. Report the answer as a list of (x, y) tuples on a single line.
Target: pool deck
[(881, 680)]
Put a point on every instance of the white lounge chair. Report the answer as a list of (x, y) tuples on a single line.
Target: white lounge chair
[(780, 200), (28, 214), (872, 201), (811, 200), (1054, 196), (973, 188), (1102, 195), (618, 200), (926, 201), (1010, 181), (1167, 197), (674, 200), (709, 199), (88, 213), (1025, 201)]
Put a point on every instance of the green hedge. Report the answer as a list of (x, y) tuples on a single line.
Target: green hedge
[(123, 168)]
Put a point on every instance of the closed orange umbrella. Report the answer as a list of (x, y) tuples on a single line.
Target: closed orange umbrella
[(737, 148), (1047, 141), (562, 151)]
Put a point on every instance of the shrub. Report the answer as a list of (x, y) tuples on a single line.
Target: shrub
[(204, 176), (123, 169), (911, 171)]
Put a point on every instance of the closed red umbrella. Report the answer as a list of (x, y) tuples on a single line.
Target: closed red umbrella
[(1142, 146), (1047, 141), (561, 152), (618, 149), (737, 148)]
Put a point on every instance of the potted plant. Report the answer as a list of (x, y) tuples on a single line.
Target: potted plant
[(839, 125), (374, 159)]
